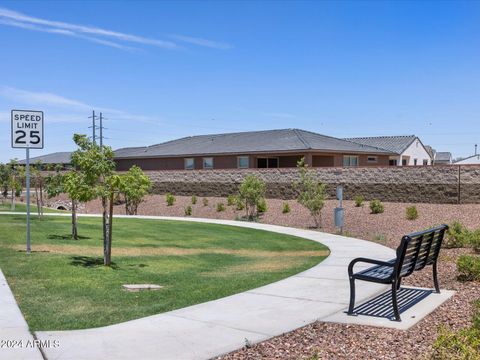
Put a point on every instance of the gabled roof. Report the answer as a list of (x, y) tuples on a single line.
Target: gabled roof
[(53, 158), (395, 144), (284, 140), (431, 151), (443, 156)]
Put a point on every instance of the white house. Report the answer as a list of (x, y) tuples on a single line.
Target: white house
[(471, 160), (443, 158), (409, 149)]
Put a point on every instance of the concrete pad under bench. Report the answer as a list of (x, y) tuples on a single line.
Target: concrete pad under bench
[(410, 316)]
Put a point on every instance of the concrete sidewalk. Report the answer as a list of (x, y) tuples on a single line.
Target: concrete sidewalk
[(16, 341), (216, 327)]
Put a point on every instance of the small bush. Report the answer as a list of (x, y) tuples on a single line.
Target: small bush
[(170, 199), (188, 210), (463, 344), (359, 200), (474, 240), (194, 200), (376, 207), (262, 206), (457, 236), (205, 202), (411, 213), (380, 238), (286, 208), (231, 200), (220, 207), (240, 205), (468, 267)]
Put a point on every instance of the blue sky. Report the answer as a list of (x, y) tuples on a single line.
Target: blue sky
[(162, 70)]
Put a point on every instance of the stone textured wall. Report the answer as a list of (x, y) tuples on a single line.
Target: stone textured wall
[(437, 184)]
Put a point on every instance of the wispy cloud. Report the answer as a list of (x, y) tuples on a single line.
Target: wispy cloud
[(202, 42), (67, 110), (98, 35)]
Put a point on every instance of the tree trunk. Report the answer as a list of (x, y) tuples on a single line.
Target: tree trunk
[(41, 199), (13, 200), (108, 223), (105, 230), (74, 220), (38, 200)]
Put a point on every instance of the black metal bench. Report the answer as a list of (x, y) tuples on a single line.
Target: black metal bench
[(416, 251)]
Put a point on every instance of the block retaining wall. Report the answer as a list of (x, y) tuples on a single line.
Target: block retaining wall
[(430, 184)]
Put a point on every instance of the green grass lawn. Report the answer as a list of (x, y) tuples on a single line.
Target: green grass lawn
[(62, 284), (20, 207)]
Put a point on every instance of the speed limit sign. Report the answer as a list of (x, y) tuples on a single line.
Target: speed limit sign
[(27, 129)]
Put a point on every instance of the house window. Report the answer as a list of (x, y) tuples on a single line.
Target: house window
[(372, 159), (350, 160), (392, 162), (243, 162), (404, 162), (264, 163), (415, 162), (425, 162), (189, 164), (208, 163)]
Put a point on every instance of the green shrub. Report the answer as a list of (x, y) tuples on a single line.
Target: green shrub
[(462, 344), (231, 200), (411, 213), (188, 210), (205, 202), (380, 238), (194, 200), (286, 208), (468, 267), (239, 204), (474, 240), (220, 207), (262, 206), (170, 199), (359, 199), (376, 207), (457, 236), (251, 191)]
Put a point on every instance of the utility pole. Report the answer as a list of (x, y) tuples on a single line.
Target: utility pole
[(101, 130), (94, 138)]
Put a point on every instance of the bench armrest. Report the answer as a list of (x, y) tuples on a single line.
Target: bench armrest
[(369, 261)]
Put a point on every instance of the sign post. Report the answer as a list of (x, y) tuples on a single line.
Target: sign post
[(27, 133)]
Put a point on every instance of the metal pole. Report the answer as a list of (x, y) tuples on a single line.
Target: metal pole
[(27, 173), (101, 130), (93, 125)]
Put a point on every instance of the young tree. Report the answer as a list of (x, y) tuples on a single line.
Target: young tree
[(97, 167), (75, 185), (252, 191), (311, 193), (134, 185), (4, 180), (15, 180), (39, 184)]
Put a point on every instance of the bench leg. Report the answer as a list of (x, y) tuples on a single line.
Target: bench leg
[(399, 283), (396, 313), (352, 297), (435, 278)]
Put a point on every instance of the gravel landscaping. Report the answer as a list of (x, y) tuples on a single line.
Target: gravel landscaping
[(338, 341)]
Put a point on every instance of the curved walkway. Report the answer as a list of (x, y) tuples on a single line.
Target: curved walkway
[(216, 327)]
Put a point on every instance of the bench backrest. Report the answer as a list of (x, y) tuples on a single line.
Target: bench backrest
[(418, 250)]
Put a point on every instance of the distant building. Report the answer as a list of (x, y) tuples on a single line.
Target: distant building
[(408, 149), (57, 158), (254, 149), (443, 158), (471, 160)]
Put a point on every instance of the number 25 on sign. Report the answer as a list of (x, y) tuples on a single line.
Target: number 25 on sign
[(27, 129)]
